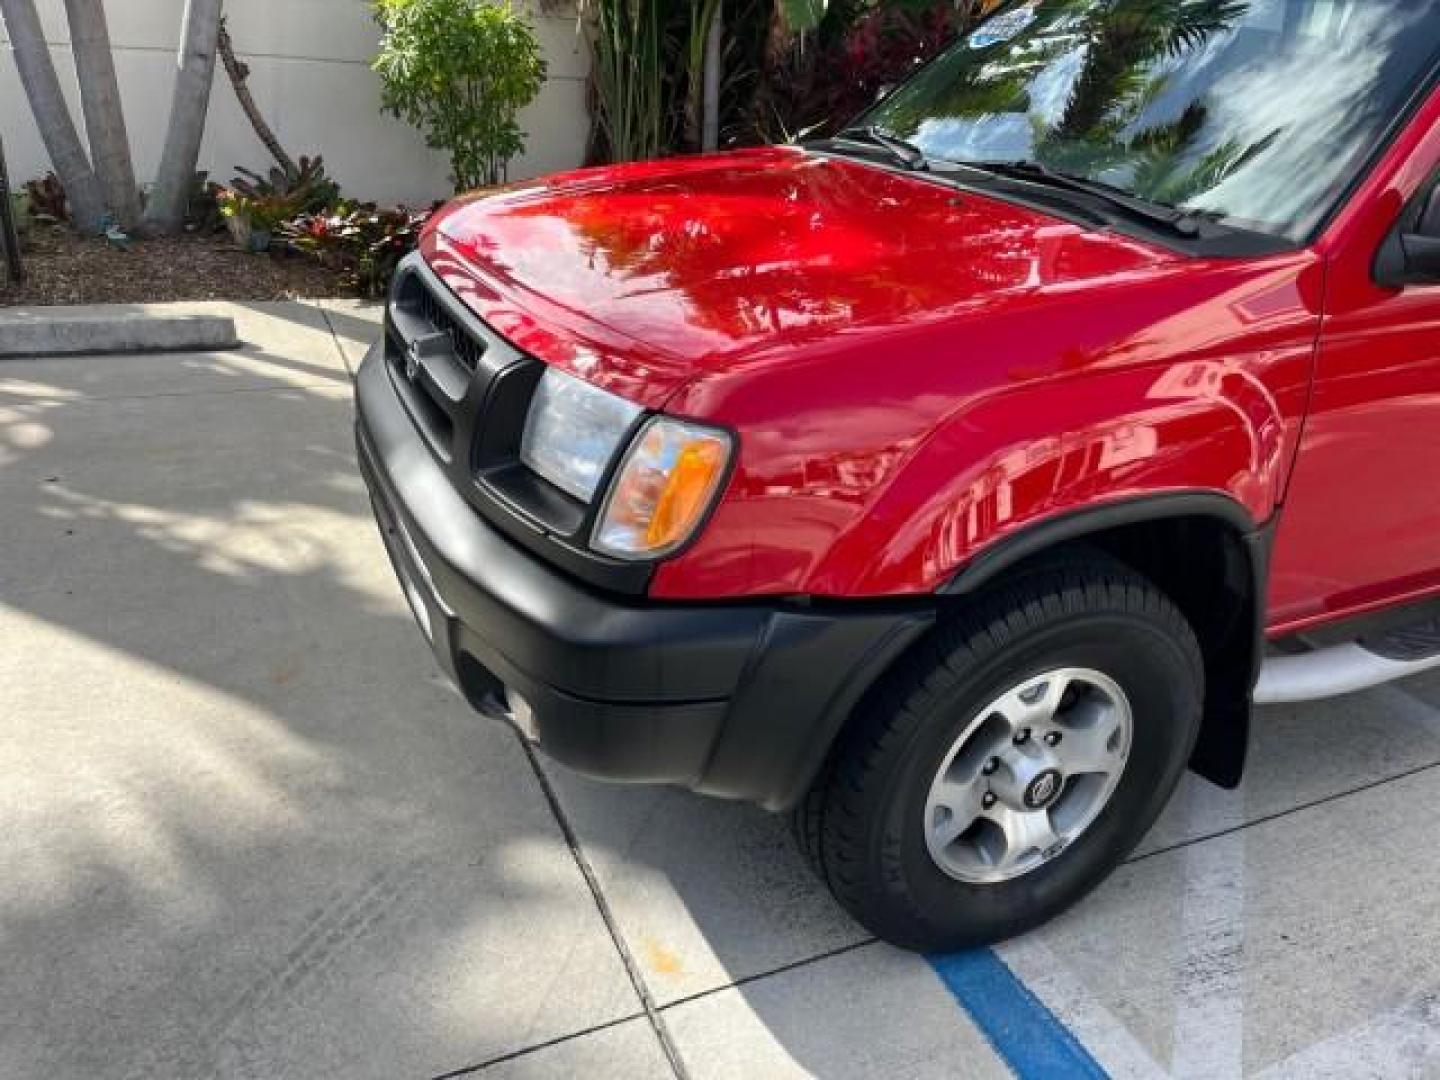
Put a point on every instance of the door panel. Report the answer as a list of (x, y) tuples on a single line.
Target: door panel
[(1361, 523), (1360, 527)]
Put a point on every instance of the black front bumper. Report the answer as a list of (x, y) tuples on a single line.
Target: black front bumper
[(738, 700)]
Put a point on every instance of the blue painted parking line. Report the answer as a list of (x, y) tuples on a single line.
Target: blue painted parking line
[(1033, 1042)]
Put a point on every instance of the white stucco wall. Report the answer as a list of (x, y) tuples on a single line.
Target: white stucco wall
[(310, 74)]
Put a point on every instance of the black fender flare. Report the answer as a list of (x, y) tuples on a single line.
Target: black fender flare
[(1231, 673), (1077, 524)]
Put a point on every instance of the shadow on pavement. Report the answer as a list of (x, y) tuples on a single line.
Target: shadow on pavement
[(250, 832), (1203, 955)]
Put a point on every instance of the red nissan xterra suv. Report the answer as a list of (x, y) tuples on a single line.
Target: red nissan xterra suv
[(952, 483)]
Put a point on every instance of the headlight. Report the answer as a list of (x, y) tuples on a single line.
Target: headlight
[(670, 476), (573, 432)]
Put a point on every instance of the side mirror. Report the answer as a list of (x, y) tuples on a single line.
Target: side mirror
[(1411, 255)]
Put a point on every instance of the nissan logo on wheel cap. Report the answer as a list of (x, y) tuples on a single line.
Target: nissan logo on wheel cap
[(1043, 789)]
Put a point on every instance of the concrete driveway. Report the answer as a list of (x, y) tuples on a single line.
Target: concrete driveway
[(249, 831)]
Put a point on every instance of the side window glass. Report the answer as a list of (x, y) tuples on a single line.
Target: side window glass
[(1430, 218), (1411, 254)]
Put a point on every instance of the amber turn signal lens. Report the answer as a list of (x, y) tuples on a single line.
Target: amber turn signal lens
[(686, 494), (669, 480)]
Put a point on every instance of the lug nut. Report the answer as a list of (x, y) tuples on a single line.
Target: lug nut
[(1052, 739), (1022, 736), (990, 766), (987, 801)]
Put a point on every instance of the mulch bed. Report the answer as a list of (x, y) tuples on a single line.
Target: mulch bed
[(63, 268)]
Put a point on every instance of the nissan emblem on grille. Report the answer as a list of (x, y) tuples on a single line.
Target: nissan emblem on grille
[(438, 343)]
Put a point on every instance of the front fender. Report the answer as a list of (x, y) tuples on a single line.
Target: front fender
[(879, 465), (1044, 453)]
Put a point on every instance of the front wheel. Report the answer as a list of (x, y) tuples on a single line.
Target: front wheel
[(1005, 768)]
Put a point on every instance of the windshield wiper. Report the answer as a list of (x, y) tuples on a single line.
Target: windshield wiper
[(1185, 223), (906, 153)]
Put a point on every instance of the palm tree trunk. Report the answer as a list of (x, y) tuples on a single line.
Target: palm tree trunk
[(238, 73), (704, 39), (714, 58), (200, 34), (104, 117), (9, 237), (52, 116)]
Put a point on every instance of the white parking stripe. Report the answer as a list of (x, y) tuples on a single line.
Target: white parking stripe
[(1210, 1012), (1402, 1043), (1210, 1002), (1108, 1040)]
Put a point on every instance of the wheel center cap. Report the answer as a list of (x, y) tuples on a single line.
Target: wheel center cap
[(1041, 791)]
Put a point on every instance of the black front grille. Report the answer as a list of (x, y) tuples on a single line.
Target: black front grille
[(468, 392), (446, 363), (468, 350)]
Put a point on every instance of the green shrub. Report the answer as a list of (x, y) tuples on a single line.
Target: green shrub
[(460, 70), (20, 213)]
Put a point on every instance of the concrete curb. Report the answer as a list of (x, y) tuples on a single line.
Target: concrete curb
[(110, 328)]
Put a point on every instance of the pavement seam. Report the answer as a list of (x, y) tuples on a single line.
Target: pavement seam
[(1279, 814), (652, 1011), (1192, 841), (469, 1070), (93, 399), (617, 937), (783, 969), (334, 337), (511, 1055)]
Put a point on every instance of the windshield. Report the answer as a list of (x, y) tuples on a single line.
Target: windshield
[(1258, 112)]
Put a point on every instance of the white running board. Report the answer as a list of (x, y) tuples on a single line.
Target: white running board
[(1330, 672)]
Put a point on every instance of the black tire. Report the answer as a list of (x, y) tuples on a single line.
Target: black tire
[(861, 825)]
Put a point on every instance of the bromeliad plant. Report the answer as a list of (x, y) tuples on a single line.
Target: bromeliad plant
[(48, 202), (305, 186), (362, 243), (254, 206), (461, 70), (252, 219)]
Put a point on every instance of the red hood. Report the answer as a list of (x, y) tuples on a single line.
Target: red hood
[(643, 277)]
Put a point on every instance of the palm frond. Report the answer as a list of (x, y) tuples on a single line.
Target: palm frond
[(1195, 20)]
